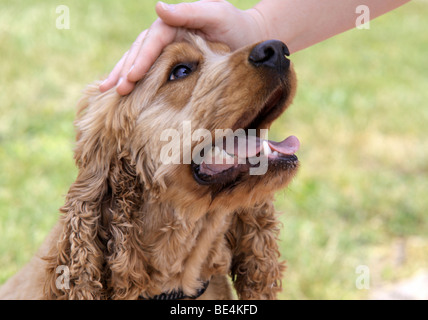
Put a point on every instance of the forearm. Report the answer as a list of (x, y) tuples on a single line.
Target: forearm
[(302, 23)]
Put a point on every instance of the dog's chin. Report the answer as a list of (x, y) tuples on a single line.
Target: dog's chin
[(263, 159)]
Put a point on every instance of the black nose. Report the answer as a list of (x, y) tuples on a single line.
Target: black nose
[(271, 54)]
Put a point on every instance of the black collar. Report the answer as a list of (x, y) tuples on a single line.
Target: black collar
[(179, 295)]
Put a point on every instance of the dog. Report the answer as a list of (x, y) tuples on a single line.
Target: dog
[(135, 227)]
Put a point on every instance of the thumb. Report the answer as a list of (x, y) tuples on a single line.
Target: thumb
[(195, 15)]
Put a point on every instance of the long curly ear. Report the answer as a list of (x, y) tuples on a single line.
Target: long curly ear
[(80, 247), (126, 260), (82, 243), (255, 269)]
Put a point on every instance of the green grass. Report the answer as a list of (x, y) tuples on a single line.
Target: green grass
[(360, 112)]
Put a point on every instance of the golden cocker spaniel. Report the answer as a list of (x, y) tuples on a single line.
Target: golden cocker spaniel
[(164, 207)]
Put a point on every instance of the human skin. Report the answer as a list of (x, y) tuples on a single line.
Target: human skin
[(298, 23)]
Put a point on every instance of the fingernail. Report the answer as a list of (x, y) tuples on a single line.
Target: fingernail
[(130, 69), (119, 82), (166, 6)]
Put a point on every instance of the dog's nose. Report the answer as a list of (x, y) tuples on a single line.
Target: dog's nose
[(270, 54)]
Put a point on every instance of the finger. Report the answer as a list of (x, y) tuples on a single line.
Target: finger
[(124, 86), (195, 15), (128, 63), (157, 38), (114, 75)]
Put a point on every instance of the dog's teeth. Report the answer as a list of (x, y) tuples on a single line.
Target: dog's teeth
[(266, 149), (226, 155), (263, 134), (217, 151), (275, 153)]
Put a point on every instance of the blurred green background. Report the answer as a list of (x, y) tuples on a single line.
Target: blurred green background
[(361, 114)]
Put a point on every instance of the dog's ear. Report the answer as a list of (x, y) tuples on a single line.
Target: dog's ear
[(253, 238), (80, 248), (101, 207)]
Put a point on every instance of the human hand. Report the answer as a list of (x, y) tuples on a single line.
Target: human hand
[(214, 20)]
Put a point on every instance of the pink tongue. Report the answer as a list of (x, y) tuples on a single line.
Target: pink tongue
[(288, 147), (252, 145)]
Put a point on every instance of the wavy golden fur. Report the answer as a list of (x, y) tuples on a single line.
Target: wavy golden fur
[(133, 227)]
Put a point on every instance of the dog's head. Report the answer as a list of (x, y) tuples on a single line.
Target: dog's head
[(195, 127), (187, 143)]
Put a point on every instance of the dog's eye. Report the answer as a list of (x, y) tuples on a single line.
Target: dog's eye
[(180, 71)]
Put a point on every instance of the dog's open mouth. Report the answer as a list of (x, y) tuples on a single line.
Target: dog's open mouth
[(238, 155)]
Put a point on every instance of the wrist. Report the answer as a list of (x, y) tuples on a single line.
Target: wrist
[(261, 23), (280, 21)]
